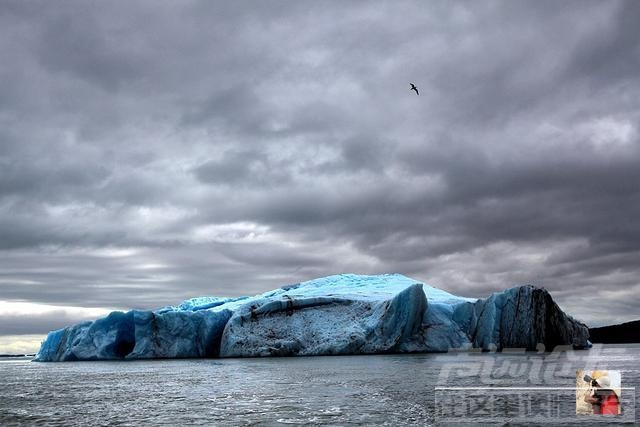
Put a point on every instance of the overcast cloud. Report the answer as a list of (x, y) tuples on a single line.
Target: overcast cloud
[(155, 151)]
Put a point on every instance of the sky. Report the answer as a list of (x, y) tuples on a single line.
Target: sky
[(153, 151)]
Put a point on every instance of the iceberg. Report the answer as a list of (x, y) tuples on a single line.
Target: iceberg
[(341, 314)]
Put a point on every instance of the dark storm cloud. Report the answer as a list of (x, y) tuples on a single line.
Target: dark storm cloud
[(612, 52), (150, 152), (37, 178), (81, 47)]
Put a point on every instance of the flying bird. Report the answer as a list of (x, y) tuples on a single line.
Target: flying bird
[(413, 87)]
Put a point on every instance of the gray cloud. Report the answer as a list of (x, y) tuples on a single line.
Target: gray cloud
[(150, 152), (243, 168), (30, 324)]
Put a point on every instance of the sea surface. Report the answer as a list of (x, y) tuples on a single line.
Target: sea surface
[(421, 389)]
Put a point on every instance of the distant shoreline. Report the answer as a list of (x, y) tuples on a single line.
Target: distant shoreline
[(17, 355)]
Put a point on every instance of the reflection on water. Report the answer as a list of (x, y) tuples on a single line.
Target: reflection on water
[(335, 390)]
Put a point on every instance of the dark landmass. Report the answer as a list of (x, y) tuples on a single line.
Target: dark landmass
[(624, 333)]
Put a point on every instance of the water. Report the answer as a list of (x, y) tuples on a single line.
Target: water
[(334, 390)]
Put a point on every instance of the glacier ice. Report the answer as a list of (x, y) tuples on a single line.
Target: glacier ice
[(341, 314)]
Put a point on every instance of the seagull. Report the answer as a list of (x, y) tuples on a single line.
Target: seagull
[(413, 87)]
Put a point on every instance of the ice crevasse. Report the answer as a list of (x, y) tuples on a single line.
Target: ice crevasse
[(341, 314)]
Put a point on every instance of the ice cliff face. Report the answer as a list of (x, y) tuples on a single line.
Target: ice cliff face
[(335, 315), (344, 314)]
